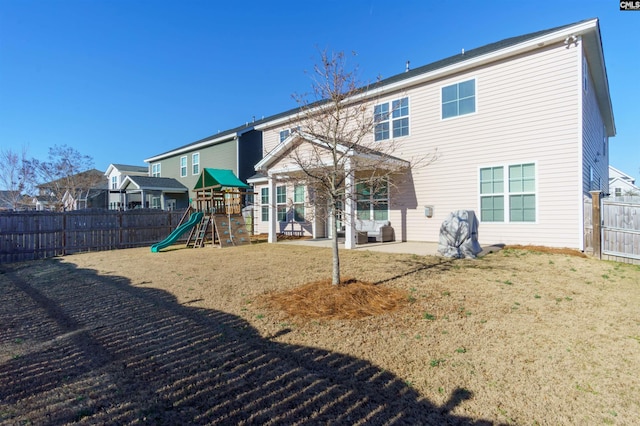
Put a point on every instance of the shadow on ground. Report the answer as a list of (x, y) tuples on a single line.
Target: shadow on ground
[(96, 350)]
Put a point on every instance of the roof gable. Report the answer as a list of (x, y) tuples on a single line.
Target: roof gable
[(297, 138)]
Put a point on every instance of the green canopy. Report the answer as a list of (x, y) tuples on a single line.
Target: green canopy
[(218, 178)]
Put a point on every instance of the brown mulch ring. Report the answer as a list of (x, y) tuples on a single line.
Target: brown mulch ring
[(352, 299)]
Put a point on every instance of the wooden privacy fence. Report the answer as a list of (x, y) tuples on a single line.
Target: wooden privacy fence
[(36, 235), (612, 228)]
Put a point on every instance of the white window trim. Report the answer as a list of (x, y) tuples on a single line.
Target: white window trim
[(506, 193), (390, 118), (194, 164), (263, 204), (157, 173), (281, 133), (281, 204), (300, 203), (451, 84), (186, 166)]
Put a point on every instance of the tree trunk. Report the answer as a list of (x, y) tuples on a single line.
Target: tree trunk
[(335, 276)]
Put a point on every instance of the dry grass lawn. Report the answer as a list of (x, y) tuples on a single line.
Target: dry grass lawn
[(242, 336)]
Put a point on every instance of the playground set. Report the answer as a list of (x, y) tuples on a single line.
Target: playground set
[(217, 216)]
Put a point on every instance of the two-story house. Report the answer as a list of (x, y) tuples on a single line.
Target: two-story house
[(116, 174), (237, 149), (521, 127)]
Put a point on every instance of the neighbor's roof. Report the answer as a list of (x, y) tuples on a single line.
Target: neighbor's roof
[(218, 178), (124, 168), (154, 183)]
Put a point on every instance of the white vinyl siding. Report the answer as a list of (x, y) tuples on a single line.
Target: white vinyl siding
[(529, 110)]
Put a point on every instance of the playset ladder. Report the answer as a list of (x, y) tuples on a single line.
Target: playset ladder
[(199, 233)]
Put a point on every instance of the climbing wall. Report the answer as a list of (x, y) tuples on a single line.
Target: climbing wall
[(231, 231)]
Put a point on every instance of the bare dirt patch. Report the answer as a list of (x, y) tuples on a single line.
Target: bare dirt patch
[(193, 336)]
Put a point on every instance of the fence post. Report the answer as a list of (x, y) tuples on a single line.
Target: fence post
[(596, 221)]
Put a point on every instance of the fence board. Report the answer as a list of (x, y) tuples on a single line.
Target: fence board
[(37, 235), (621, 229)]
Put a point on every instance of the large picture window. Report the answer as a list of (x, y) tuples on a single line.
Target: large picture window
[(515, 193), (391, 119), (459, 99), (372, 203)]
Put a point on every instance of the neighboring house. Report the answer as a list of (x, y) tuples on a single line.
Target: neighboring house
[(116, 173), (621, 184), (521, 128), (154, 192), (84, 190), (237, 150)]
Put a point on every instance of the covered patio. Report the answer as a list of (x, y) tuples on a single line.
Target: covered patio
[(364, 174)]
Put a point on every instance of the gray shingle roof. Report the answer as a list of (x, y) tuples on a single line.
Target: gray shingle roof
[(164, 183), (130, 168)]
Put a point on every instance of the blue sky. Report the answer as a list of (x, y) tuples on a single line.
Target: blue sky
[(122, 81)]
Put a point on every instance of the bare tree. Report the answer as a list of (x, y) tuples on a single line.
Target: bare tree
[(333, 149), (16, 176), (66, 175)]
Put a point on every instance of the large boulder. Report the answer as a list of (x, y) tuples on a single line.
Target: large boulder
[(459, 235)]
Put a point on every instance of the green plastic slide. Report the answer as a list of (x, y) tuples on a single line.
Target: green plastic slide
[(173, 237)]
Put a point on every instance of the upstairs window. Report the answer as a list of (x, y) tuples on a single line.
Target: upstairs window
[(284, 135), (195, 164), (183, 166), (114, 182), (391, 119), (459, 99), (155, 170)]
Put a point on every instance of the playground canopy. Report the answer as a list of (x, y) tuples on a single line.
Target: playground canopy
[(218, 178)]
